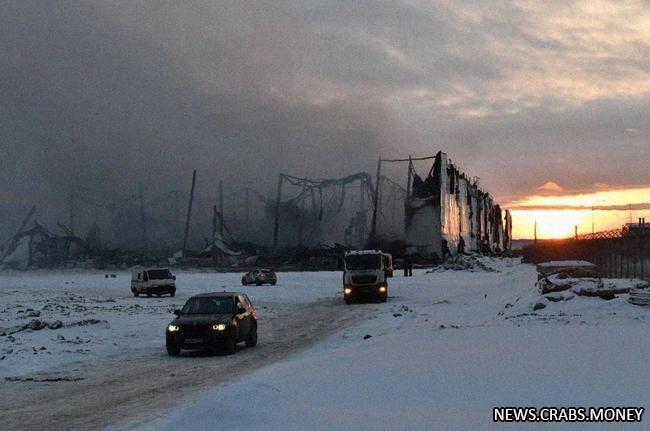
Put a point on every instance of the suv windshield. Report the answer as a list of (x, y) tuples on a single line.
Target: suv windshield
[(355, 262), (207, 305), (159, 274)]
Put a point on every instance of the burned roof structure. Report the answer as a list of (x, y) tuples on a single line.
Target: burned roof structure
[(448, 213)]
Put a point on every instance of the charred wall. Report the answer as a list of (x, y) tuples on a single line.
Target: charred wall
[(448, 210)]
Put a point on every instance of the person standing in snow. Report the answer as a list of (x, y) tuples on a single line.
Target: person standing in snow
[(445, 250), (408, 267), (461, 246)]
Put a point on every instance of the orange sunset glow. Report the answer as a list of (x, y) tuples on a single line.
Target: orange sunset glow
[(557, 213)]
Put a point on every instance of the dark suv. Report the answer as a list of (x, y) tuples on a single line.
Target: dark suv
[(213, 320)]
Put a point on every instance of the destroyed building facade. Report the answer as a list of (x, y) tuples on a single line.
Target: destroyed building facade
[(446, 211)]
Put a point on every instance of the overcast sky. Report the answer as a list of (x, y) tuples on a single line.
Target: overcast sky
[(108, 95)]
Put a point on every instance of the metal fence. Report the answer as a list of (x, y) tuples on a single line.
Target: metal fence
[(626, 256)]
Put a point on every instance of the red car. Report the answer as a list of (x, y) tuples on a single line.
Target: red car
[(259, 277)]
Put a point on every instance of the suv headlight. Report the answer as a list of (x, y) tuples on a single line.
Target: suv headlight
[(219, 327), (173, 328)]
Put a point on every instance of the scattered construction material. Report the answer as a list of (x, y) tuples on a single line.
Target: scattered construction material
[(640, 296), (562, 287), (575, 267)]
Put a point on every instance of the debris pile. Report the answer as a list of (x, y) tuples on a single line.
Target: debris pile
[(568, 282), (462, 262), (639, 296), (37, 325)]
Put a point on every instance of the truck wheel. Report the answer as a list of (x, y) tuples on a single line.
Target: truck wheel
[(251, 341), (384, 298), (173, 349), (230, 345)]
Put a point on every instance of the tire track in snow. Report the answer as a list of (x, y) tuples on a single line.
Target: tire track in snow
[(134, 388)]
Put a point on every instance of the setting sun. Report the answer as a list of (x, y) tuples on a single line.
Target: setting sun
[(558, 215)]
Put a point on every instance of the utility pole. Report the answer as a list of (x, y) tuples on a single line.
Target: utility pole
[(373, 228), (363, 221), (302, 221), (246, 208), (189, 213), (408, 183), (535, 232), (214, 221), (143, 219), (629, 206), (114, 215), (313, 202), (221, 207), (71, 220), (278, 199)]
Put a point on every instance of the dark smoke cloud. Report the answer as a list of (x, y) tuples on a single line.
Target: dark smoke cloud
[(102, 97), (105, 96)]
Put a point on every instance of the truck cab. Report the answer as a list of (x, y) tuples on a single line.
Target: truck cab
[(365, 275), (152, 281)]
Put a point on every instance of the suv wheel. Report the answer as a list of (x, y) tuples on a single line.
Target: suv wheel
[(172, 293), (251, 341), (173, 349), (136, 294), (258, 283), (243, 282)]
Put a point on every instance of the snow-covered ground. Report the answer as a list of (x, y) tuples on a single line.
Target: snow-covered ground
[(446, 348), (101, 319)]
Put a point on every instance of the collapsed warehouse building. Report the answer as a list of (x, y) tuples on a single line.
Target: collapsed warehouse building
[(447, 212), (308, 222)]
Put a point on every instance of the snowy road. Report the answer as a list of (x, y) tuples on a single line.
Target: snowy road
[(86, 317), (107, 360), (122, 388)]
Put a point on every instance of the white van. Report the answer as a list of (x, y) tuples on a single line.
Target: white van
[(152, 281)]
